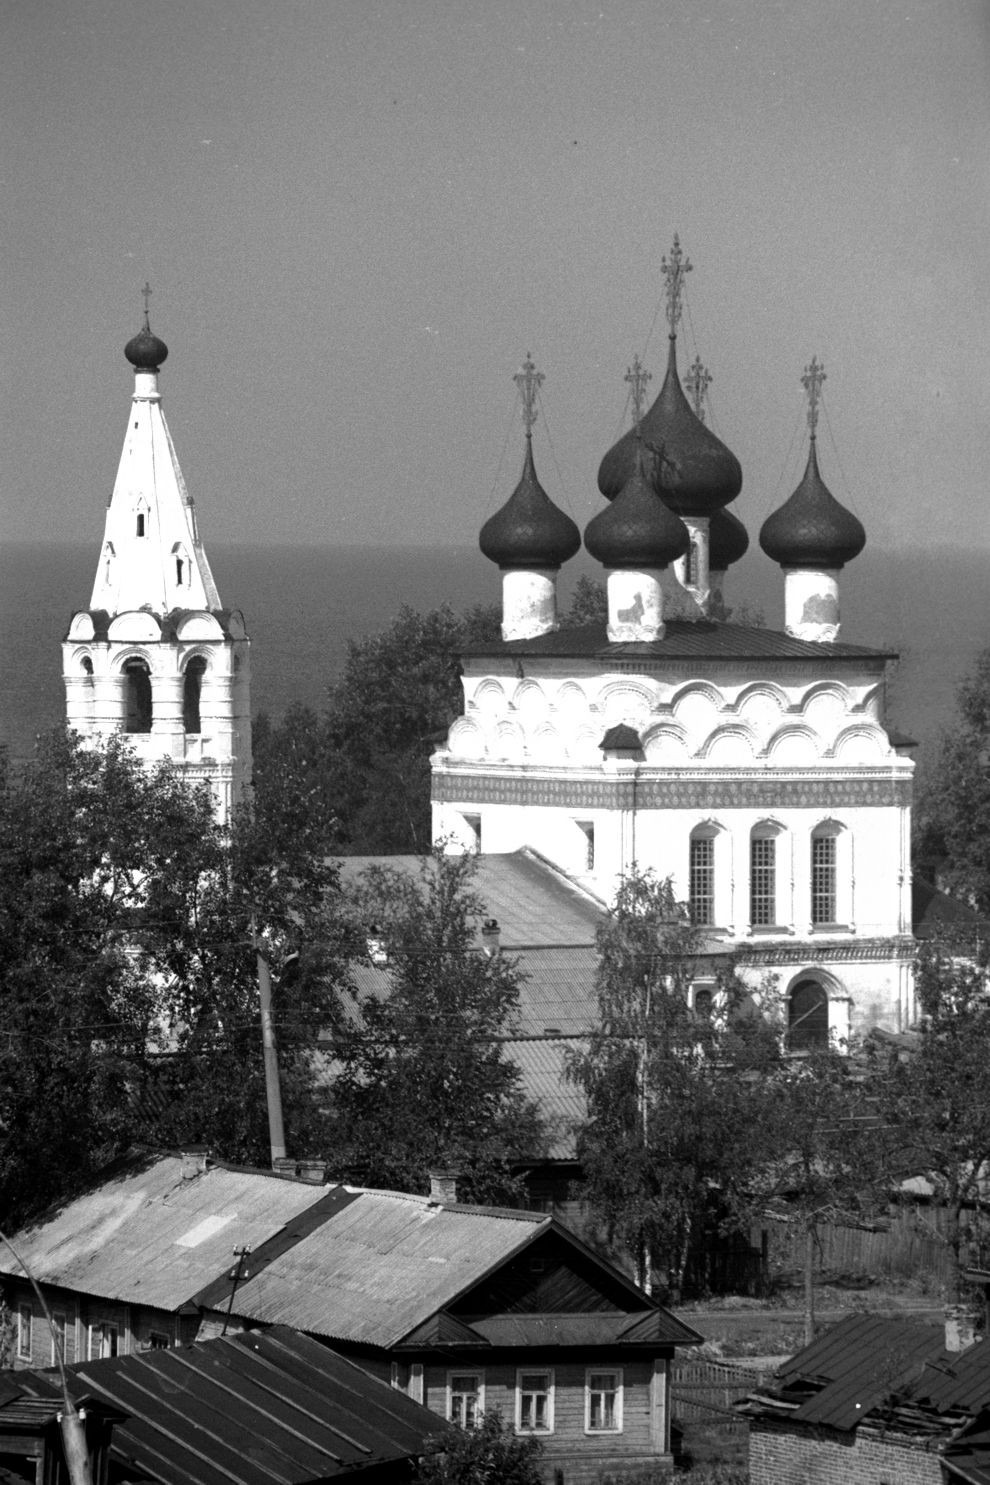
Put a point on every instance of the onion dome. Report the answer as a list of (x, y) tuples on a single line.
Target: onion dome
[(728, 540), (696, 474), (529, 531), (637, 530), (811, 529), (145, 351)]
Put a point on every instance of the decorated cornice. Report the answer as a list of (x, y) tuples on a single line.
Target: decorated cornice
[(772, 952)]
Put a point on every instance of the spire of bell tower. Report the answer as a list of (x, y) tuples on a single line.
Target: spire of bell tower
[(155, 655)]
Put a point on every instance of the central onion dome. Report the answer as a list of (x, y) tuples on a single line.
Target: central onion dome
[(145, 351), (637, 531), (728, 540), (811, 529), (529, 531), (696, 475)]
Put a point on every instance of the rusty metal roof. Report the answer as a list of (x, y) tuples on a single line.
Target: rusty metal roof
[(149, 1236), (534, 903), (381, 1265), (261, 1408)]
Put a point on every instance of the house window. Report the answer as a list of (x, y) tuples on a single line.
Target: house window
[(24, 1318), (158, 1341), (58, 1338), (701, 879), (534, 1402), (603, 1402), (104, 1340), (465, 1398), (823, 864), (762, 881), (807, 1017)]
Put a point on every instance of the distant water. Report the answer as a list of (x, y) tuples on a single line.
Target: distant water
[(302, 604)]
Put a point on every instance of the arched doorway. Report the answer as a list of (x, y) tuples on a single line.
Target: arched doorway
[(807, 1017)]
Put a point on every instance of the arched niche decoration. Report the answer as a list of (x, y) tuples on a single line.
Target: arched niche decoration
[(733, 745), (825, 707), (530, 701), (864, 742), (795, 745), (490, 698), (545, 745), (571, 700), (466, 739), (136, 625), (666, 743), (82, 627), (508, 742), (697, 705), (760, 706), (626, 701), (198, 626)]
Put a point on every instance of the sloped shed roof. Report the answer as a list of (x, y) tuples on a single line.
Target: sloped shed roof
[(262, 1408), (148, 1235)]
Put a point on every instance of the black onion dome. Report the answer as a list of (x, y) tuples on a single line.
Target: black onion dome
[(812, 529), (728, 540), (637, 529), (697, 473), (529, 530), (145, 351)]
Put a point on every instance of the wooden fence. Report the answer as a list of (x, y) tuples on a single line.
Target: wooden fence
[(705, 1423)]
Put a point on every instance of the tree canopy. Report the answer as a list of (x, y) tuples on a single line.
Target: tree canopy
[(952, 814), (424, 1081)]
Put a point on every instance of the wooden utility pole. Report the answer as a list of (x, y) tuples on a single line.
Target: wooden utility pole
[(273, 1088)]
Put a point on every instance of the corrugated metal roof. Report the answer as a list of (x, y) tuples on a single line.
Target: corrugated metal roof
[(149, 1236), (535, 904), (250, 1409), (381, 1266), (542, 1063), (682, 639)]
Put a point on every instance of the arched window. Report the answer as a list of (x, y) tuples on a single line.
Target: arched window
[(701, 875), (807, 1017), (824, 873), (192, 685), (691, 565), (704, 1003), (140, 523), (763, 876), (137, 679)]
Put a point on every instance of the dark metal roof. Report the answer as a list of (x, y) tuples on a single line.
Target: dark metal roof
[(683, 640), (932, 911), (649, 1328), (251, 1409)]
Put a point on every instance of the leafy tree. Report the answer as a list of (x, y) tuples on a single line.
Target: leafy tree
[(128, 968), (952, 816), (365, 762), (668, 1089), (424, 1081), (935, 1098), (480, 1456)]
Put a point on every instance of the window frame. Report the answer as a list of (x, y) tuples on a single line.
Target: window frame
[(25, 1331), (159, 1340), (100, 1332), (830, 871), (548, 1392), (617, 1398), (478, 1377), (60, 1327), (764, 897), (706, 869)]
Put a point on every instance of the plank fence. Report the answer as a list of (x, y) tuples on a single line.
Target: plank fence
[(701, 1397)]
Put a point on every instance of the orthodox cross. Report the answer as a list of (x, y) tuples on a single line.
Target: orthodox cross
[(146, 291), (697, 381), (637, 377), (812, 380), (673, 270), (529, 381)]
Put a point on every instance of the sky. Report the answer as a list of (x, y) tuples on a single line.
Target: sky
[(358, 216)]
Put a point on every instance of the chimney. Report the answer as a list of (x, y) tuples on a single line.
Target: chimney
[(193, 1161), (377, 952), (960, 1328), (443, 1187), (313, 1172), (491, 936)]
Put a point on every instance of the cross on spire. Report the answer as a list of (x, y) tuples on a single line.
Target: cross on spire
[(697, 381), (812, 380), (146, 291), (529, 381), (637, 376), (673, 270)]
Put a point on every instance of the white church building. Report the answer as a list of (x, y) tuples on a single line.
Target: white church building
[(751, 767), (156, 655)]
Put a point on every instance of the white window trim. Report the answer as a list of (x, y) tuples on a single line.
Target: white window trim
[(416, 1388), (96, 1330), (25, 1328), (598, 1371), (58, 1315), (464, 1371), (535, 1371)]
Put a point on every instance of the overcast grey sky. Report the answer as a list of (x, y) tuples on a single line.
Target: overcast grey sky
[(358, 215)]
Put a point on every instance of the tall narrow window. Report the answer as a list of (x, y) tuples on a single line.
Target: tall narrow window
[(587, 829), (58, 1338), (701, 879), (140, 523), (762, 881), (24, 1337), (179, 573), (137, 680), (691, 565), (823, 864), (807, 1017), (192, 684)]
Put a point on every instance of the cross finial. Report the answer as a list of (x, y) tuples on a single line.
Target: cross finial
[(673, 270), (146, 291), (637, 376), (812, 380), (529, 381), (697, 381)]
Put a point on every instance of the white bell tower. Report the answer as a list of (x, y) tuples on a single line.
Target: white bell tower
[(155, 654)]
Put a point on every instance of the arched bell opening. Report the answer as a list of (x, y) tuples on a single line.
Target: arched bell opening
[(137, 696), (192, 686)]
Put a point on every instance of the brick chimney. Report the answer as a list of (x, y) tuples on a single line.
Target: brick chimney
[(443, 1186), (491, 936), (193, 1161)]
